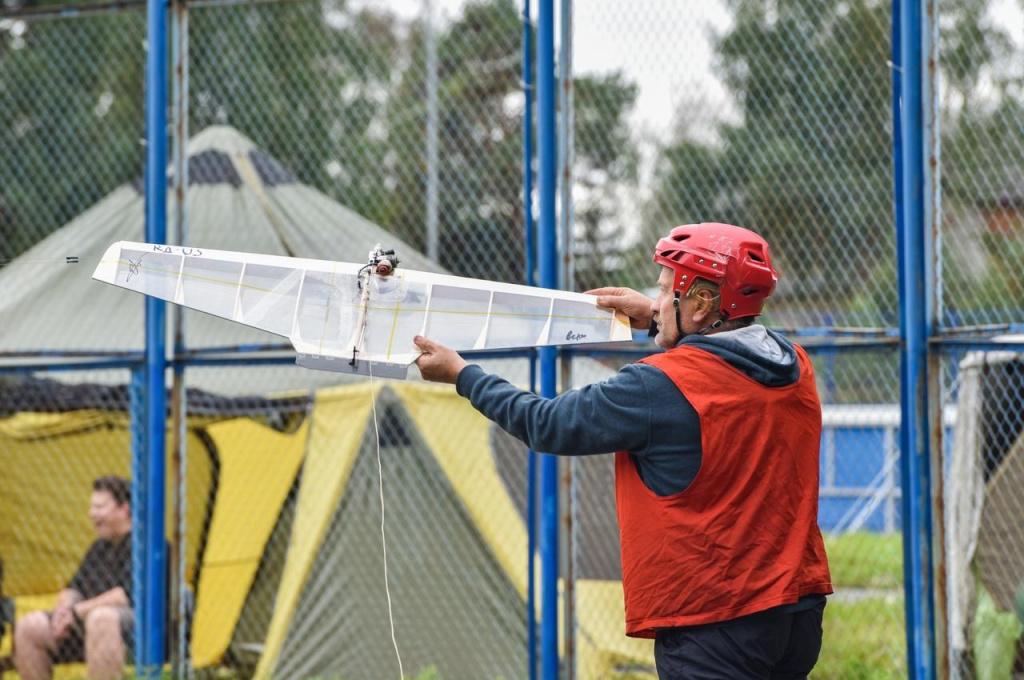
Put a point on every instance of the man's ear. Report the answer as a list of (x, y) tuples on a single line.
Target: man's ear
[(705, 306)]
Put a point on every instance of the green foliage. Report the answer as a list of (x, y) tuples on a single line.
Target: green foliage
[(606, 162), (480, 205), (308, 91), (480, 109), (968, 46), (70, 120), (983, 194), (994, 640), (429, 673), (863, 626)]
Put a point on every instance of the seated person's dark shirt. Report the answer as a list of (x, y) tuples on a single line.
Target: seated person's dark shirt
[(105, 566)]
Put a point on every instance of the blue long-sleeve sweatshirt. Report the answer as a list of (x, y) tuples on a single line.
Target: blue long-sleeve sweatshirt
[(639, 409)]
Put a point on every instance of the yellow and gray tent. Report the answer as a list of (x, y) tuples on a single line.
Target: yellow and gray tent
[(284, 543)]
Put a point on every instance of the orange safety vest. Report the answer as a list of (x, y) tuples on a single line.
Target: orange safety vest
[(743, 537)]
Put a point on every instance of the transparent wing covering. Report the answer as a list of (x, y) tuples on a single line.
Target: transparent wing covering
[(321, 306)]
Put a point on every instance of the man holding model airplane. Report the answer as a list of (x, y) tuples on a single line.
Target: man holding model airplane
[(716, 461)]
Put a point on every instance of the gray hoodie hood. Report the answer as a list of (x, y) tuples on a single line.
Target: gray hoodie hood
[(762, 354)]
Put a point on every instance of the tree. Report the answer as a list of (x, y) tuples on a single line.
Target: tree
[(809, 165), (307, 81), (70, 125), (480, 109), (479, 174), (605, 165)]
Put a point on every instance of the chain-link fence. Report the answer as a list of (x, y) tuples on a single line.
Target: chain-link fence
[(313, 126)]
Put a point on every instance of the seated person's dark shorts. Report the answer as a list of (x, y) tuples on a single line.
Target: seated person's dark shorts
[(71, 648)]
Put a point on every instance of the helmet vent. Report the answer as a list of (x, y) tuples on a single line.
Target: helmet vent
[(754, 256)]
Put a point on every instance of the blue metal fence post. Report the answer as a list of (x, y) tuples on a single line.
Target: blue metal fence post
[(911, 42), (154, 598), (136, 425), (547, 186)]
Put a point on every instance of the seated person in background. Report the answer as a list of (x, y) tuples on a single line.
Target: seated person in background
[(93, 619)]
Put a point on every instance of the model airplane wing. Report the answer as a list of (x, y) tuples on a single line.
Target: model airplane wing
[(348, 317)]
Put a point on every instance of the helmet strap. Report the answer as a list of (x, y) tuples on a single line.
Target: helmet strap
[(679, 323), (714, 325), (710, 327)]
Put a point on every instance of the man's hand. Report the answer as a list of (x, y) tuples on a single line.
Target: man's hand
[(60, 621), (438, 363), (633, 304)]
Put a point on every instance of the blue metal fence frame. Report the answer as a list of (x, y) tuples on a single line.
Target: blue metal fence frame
[(151, 603), (547, 153), (910, 43)]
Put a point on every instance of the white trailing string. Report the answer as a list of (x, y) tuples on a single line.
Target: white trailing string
[(383, 536)]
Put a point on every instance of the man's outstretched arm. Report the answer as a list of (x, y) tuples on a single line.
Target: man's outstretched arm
[(600, 418)]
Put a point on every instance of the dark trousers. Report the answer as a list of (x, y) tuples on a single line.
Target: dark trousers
[(768, 645)]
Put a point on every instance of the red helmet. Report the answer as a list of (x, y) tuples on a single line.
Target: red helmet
[(734, 258)]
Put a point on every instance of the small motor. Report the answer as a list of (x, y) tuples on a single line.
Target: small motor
[(382, 262)]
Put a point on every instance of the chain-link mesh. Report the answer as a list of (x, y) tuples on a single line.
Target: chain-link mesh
[(984, 513), (71, 124), (67, 511), (773, 117), (776, 116), (299, 530), (338, 94), (780, 121), (981, 114), (982, 250)]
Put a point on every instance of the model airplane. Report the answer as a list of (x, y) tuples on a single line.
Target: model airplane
[(354, 318)]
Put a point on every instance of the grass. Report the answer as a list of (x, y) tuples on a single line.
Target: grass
[(865, 560), (864, 636), (864, 640)]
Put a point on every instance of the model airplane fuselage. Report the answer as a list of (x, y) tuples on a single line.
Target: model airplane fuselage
[(358, 318)]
